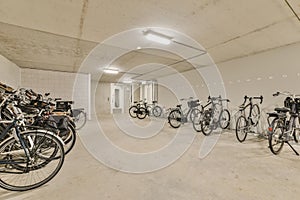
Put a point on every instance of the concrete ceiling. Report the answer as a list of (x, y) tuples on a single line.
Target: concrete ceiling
[(59, 34)]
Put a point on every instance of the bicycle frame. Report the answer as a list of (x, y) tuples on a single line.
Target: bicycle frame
[(17, 136), (184, 113), (287, 129), (214, 108), (251, 105)]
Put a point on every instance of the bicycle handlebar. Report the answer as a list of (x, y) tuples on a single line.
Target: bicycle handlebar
[(286, 94), (186, 99), (217, 98), (254, 97)]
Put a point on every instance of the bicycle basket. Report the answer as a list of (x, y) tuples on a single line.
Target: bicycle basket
[(64, 105), (193, 104), (76, 112)]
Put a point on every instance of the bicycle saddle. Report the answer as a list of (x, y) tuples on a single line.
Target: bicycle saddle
[(179, 105), (276, 114), (154, 101), (135, 102), (282, 110)]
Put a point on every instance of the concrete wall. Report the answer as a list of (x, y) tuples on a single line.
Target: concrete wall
[(102, 98), (10, 73), (263, 74), (177, 86), (59, 84)]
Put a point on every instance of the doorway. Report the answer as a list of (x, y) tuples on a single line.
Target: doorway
[(117, 98)]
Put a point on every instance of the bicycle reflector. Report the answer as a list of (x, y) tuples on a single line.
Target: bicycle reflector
[(270, 129)]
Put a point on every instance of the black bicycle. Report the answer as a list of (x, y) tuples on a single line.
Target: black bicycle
[(214, 117), (139, 110), (284, 127), (29, 157), (244, 123)]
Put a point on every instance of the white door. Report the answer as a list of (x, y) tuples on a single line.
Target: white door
[(117, 99)]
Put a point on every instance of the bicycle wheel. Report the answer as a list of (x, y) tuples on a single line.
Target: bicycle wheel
[(174, 118), (141, 113), (21, 173), (224, 119), (195, 115), (255, 115), (197, 123), (69, 139), (133, 111), (156, 111), (206, 125), (296, 135), (79, 119), (276, 139), (241, 128)]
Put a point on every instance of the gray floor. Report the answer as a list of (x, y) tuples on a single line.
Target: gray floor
[(231, 171)]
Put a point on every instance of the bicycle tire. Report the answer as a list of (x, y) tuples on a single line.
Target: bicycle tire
[(206, 125), (197, 123), (133, 111), (195, 114), (174, 118), (80, 120), (157, 111), (256, 117), (276, 141), (70, 139), (36, 153), (224, 119), (141, 113), (241, 128)]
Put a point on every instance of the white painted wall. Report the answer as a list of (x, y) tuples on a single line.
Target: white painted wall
[(102, 98), (177, 86), (59, 84), (10, 73), (265, 73), (261, 74)]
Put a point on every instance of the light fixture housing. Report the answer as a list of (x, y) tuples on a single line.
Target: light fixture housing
[(157, 37), (127, 81), (111, 71)]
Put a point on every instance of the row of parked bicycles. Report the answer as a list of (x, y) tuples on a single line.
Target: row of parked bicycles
[(206, 119), (36, 132), (283, 122)]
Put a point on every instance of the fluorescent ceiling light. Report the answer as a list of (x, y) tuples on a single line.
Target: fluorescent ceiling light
[(127, 81), (158, 37), (111, 71)]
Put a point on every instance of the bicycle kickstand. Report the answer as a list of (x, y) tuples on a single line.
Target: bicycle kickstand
[(292, 148)]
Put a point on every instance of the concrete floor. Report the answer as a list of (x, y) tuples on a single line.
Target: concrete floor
[(231, 171)]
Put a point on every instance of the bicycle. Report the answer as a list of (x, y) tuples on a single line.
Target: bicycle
[(28, 158), (78, 114), (284, 128), (245, 124), (178, 116), (155, 109), (137, 110), (214, 117), (38, 113)]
